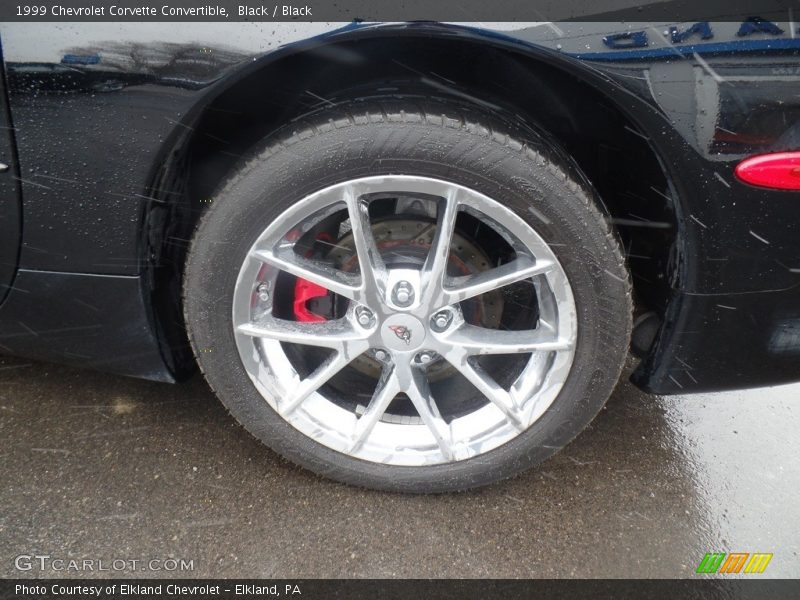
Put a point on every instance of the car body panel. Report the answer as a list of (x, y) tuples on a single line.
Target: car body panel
[(10, 201), (98, 321), (96, 119)]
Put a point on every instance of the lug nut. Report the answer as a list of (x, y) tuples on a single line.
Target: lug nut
[(364, 316), (380, 355), (441, 320), (263, 292), (425, 357), (403, 293)]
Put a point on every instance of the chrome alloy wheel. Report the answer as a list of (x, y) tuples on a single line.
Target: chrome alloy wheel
[(408, 319)]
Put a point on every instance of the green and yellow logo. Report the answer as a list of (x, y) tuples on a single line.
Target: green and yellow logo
[(734, 562)]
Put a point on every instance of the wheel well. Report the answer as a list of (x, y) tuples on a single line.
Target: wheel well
[(608, 146)]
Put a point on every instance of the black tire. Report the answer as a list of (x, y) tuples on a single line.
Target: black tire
[(504, 160)]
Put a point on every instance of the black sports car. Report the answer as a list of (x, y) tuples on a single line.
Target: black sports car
[(410, 256)]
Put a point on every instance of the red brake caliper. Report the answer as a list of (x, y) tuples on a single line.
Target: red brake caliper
[(305, 291)]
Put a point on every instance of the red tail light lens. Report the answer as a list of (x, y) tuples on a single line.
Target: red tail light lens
[(779, 171)]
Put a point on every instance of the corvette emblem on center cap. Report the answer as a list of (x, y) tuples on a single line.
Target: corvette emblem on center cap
[(404, 333)]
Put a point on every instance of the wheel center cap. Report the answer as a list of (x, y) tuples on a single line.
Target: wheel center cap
[(402, 333)]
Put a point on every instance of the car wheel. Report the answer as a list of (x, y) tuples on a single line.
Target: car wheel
[(409, 295)]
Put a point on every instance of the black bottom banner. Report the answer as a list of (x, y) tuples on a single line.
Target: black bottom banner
[(414, 589)]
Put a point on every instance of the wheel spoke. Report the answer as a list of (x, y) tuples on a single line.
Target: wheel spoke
[(414, 383), (388, 387), (338, 334), (435, 267), (458, 289), (373, 271), (485, 384), (479, 340), (321, 375), (332, 279)]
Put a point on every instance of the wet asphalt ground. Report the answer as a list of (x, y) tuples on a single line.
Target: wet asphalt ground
[(96, 466)]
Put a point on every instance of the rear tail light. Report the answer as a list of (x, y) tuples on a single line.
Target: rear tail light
[(779, 171)]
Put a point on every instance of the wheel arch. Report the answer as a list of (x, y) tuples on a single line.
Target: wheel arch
[(605, 128)]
